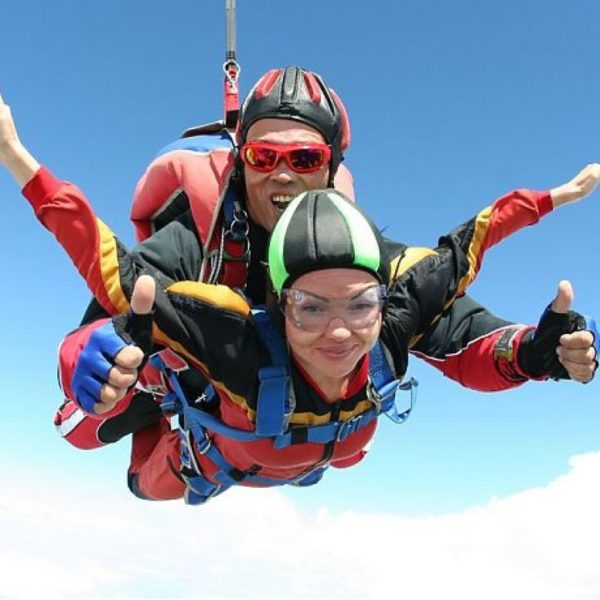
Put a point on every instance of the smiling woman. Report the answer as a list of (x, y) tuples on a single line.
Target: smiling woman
[(324, 253)]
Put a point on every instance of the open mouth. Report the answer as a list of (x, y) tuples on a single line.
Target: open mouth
[(281, 200)]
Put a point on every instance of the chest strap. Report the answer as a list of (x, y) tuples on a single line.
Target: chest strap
[(274, 407)]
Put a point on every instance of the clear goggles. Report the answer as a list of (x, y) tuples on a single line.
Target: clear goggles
[(314, 313)]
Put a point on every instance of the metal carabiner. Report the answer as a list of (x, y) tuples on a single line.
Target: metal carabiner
[(232, 70)]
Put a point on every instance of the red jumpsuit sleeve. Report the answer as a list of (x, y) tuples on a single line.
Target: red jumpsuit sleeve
[(477, 367), (62, 208), (431, 284), (462, 344), (514, 211)]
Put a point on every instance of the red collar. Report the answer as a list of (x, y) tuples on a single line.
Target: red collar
[(357, 382)]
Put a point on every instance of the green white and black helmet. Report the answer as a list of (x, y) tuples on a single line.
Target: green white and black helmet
[(322, 229)]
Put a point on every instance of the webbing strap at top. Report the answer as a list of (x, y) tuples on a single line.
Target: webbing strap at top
[(230, 18)]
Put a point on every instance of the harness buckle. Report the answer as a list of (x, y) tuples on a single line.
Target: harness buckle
[(347, 427), (239, 226), (203, 445), (188, 460), (170, 404), (397, 413), (379, 396)]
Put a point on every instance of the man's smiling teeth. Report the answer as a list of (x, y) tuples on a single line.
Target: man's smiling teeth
[(281, 201)]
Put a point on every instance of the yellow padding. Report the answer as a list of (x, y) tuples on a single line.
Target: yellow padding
[(482, 223), (407, 260), (217, 295), (109, 268)]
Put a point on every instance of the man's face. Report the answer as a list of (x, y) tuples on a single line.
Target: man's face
[(267, 194)]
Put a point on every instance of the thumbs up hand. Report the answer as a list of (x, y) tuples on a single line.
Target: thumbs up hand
[(563, 299), (110, 362), (138, 322), (561, 347), (577, 351)]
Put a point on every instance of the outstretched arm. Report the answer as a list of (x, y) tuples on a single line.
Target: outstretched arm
[(13, 155), (512, 212), (89, 242), (461, 253), (582, 185), (427, 282), (468, 343)]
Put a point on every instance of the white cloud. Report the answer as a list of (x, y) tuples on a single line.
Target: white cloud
[(62, 540)]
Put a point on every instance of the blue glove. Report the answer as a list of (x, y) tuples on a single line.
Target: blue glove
[(98, 356), (94, 363)]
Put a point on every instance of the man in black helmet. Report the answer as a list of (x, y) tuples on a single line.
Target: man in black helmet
[(293, 133)]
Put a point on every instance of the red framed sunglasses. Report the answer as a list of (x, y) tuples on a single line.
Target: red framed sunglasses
[(301, 158)]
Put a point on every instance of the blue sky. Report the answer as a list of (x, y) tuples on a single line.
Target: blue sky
[(451, 105)]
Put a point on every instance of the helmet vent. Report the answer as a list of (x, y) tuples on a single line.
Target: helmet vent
[(267, 83), (313, 87)]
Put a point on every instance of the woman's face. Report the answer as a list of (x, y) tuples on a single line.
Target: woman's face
[(331, 356)]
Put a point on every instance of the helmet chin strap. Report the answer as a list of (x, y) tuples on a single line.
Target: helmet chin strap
[(332, 171)]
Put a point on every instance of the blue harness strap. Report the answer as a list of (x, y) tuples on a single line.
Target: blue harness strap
[(273, 407), (384, 387), (194, 438)]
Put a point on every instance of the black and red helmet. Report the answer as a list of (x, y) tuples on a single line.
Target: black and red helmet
[(300, 95)]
